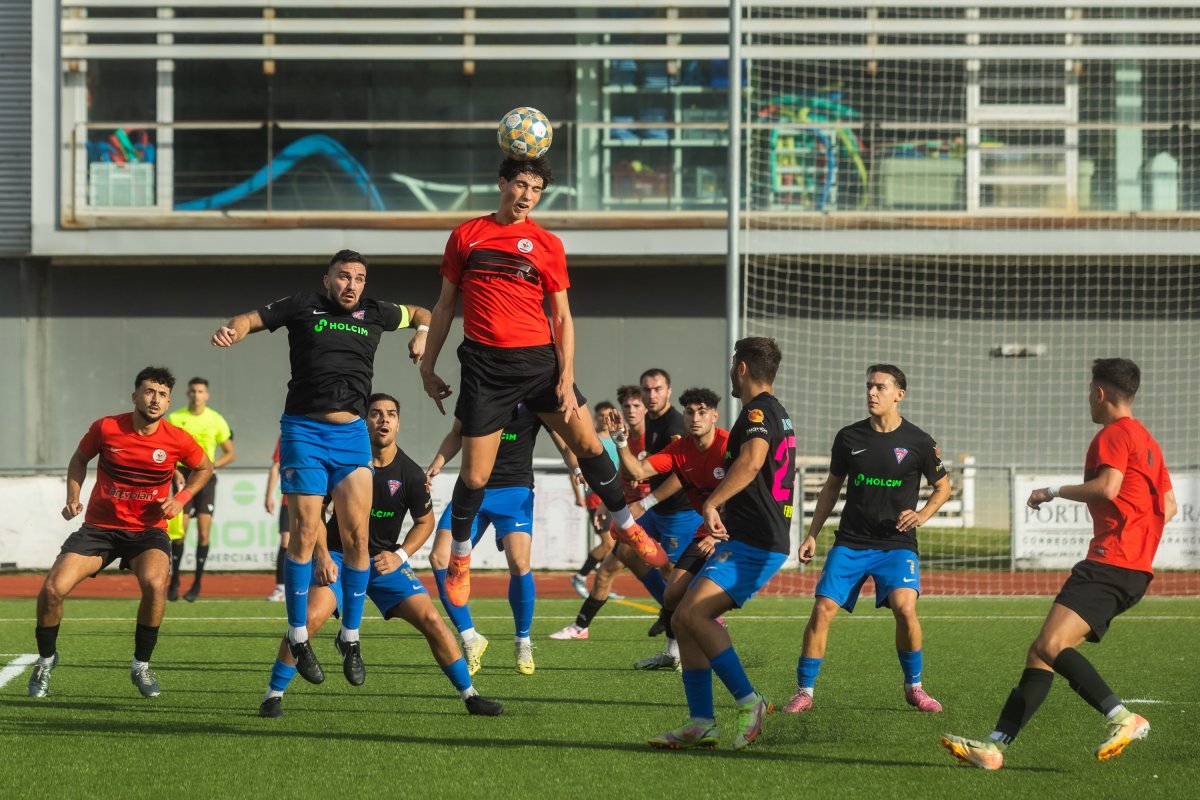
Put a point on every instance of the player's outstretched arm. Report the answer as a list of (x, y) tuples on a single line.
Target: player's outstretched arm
[(826, 501), (448, 449), (563, 325), (439, 328), (572, 463), (1105, 486), (631, 466), (909, 519), (741, 472), (414, 540), (237, 329), (76, 475), (418, 318)]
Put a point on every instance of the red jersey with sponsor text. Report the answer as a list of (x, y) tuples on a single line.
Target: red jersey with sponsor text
[(698, 471), (504, 273), (1127, 530), (134, 471)]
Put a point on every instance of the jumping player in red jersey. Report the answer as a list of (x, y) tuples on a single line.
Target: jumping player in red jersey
[(1128, 494), (698, 461), (126, 519), (505, 265)]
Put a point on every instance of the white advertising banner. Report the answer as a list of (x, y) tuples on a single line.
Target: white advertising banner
[(245, 536), (1056, 536)]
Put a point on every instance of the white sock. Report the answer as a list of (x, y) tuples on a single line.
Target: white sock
[(468, 635), (461, 549), (138, 665), (470, 691), (808, 690), (1120, 709), (908, 686), (523, 640), (673, 648), (45, 662), (348, 634), (623, 518), (298, 634), (750, 698), (272, 693), (279, 587), (706, 721)]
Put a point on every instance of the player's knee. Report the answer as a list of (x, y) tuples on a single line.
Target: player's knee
[(430, 622), (52, 595), (518, 566), (1047, 648), (474, 479), (822, 614)]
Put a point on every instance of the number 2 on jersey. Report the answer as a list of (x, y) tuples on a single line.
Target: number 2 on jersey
[(784, 457)]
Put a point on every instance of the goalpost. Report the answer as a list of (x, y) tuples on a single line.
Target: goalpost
[(989, 195)]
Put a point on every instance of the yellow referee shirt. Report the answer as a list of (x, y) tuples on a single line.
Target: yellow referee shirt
[(208, 428)]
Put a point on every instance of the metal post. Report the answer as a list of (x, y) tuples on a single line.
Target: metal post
[(733, 286)]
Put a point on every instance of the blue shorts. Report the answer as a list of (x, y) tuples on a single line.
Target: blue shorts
[(740, 569), (673, 531), (508, 510), (385, 591), (315, 456), (846, 570)]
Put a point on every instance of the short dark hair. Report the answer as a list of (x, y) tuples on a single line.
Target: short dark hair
[(537, 167), (699, 396), (761, 356), (629, 392), (891, 369), (1118, 374), (198, 379), (604, 405), (155, 375), (347, 257), (380, 396), (655, 372)]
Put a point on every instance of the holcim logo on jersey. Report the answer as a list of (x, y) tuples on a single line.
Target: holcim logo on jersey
[(886, 483), (324, 324)]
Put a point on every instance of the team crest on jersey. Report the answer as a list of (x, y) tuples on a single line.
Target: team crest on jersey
[(525, 246), (159, 456), (394, 486), (360, 314), (755, 415), (900, 454), (719, 473)]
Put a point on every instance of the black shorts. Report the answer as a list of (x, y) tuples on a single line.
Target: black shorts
[(203, 501), (283, 518), (494, 379), (1100, 592), (111, 544), (691, 559)]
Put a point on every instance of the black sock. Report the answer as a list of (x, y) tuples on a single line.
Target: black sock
[(1023, 702), (665, 616), (601, 477), (176, 560), (464, 505), (279, 565), (144, 639), (589, 565), (201, 557), (1085, 680), (47, 640), (588, 611)]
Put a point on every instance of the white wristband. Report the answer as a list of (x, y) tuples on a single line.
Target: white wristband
[(619, 438), (577, 472), (648, 502), (400, 551), (1054, 491), (422, 328)]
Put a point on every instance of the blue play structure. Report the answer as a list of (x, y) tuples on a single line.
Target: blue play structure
[(315, 145)]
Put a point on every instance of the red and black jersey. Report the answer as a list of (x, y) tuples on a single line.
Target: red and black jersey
[(1127, 529), (134, 471), (698, 471), (504, 273)]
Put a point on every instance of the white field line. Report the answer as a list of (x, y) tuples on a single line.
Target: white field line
[(1145, 701), (16, 667)]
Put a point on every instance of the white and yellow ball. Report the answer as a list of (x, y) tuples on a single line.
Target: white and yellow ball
[(524, 134)]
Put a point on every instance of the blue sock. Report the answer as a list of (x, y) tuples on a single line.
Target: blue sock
[(296, 579), (458, 675), (729, 669), (281, 676), (521, 594), (910, 663), (806, 672), (459, 615), (654, 583), (697, 685), (354, 596)]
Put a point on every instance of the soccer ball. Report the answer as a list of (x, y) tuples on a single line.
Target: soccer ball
[(524, 134)]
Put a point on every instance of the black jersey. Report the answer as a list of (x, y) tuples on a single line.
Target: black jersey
[(660, 432), (514, 459), (883, 472), (398, 489), (761, 514), (332, 350)]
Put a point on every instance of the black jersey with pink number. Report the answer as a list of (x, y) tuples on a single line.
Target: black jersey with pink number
[(761, 514)]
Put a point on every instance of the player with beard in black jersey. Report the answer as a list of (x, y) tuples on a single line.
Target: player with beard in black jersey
[(399, 489), (749, 513), (884, 456), (324, 446)]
